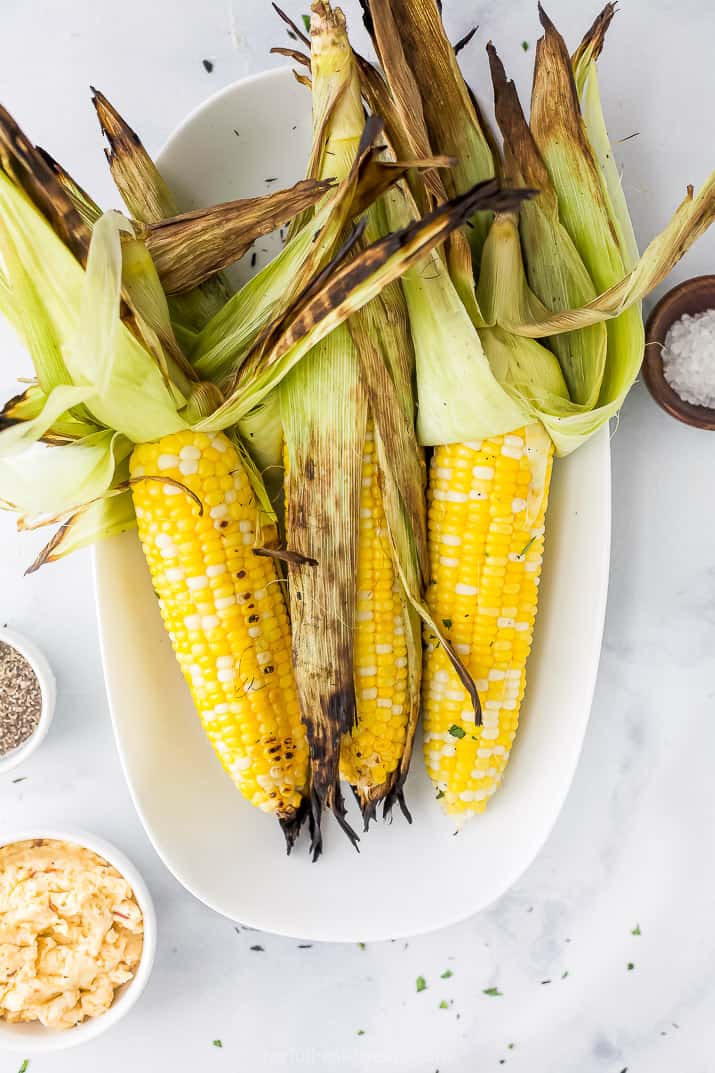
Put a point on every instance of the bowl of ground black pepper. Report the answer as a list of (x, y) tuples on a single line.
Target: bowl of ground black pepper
[(27, 699)]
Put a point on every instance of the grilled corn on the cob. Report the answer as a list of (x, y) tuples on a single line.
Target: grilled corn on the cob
[(224, 610), (486, 510)]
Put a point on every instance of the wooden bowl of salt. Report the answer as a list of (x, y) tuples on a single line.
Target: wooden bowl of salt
[(679, 360)]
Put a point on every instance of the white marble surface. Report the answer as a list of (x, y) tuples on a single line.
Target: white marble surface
[(634, 842)]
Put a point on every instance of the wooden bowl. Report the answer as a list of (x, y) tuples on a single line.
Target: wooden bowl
[(692, 296)]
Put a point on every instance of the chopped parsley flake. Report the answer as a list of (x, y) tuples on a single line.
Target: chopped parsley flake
[(421, 983), (564, 974), (361, 946), (306, 22), (525, 46), (444, 1005), (457, 732), (526, 547), (446, 974), (208, 66), (636, 930), (440, 793), (630, 966), (510, 1046), (447, 623), (360, 1032), (217, 1043), (25, 1066), (493, 992)]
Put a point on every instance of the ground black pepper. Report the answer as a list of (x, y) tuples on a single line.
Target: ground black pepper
[(20, 699)]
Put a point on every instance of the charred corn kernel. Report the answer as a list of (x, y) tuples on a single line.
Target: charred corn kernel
[(486, 508), (372, 752), (206, 576)]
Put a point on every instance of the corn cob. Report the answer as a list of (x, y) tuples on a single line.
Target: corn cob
[(486, 508), (224, 610), (357, 706), (370, 754)]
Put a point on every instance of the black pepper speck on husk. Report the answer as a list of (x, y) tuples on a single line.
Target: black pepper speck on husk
[(20, 699)]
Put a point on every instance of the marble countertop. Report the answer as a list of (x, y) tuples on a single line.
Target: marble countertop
[(632, 850)]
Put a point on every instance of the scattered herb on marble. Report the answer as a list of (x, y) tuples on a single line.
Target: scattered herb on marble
[(361, 946), (305, 946), (25, 1066), (421, 983), (457, 732), (20, 699), (525, 46), (440, 793), (630, 966), (636, 930), (446, 974), (546, 981), (258, 949), (444, 1005), (360, 1032), (564, 974), (217, 1043), (23, 778), (510, 1046), (306, 22), (208, 66), (493, 992)]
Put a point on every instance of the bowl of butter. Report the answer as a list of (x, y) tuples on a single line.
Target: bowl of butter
[(77, 939)]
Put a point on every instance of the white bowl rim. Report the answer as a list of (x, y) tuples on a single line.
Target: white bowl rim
[(48, 689), (53, 1039)]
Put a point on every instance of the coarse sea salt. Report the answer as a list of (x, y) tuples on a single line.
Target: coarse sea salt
[(689, 358)]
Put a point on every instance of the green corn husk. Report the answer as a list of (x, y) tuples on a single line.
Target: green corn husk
[(560, 154), (585, 77), (555, 269)]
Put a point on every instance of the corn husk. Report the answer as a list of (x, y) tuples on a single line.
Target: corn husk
[(556, 272), (190, 248), (148, 200), (575, 187), (455, 125)]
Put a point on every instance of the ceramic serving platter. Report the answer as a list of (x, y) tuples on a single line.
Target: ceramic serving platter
[(252, 137)]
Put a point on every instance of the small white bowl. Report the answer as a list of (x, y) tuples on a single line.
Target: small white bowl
[(47, 687), (33, 1038)]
